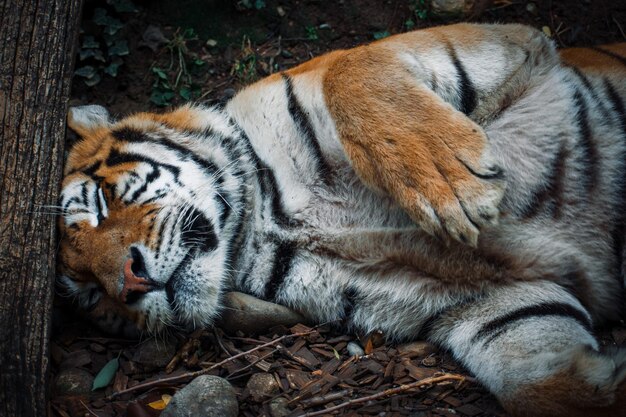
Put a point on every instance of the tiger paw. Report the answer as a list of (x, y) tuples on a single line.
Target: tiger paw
[(451, 198)]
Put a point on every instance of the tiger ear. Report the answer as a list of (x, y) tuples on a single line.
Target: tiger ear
[(84, 120)]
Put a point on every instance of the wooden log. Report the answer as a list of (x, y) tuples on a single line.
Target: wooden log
[(37, 40)]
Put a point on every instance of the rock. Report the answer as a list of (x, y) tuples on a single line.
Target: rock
[(532, 8), (262, 385), (354, 349), (417, 349), (154, 354), (279, 408), (251, 315), (429, 361), (73, 381), (456, 8), (205, 396)]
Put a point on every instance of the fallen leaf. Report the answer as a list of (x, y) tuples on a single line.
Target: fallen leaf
[(162, 403), (105, 376)]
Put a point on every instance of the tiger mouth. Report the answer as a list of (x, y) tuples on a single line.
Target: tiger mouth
[(175, 278)]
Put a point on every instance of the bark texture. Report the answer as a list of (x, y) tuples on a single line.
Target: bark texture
[(37, 40)]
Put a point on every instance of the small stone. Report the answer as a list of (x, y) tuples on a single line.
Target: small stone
[(97, 347), (280, 11), (354, 349), (262, 385), (279, 408), (417, 349), (154, 354), (73, 381), (251, 315), (456, 8), (532, 8), (211, 43), (205, 396)]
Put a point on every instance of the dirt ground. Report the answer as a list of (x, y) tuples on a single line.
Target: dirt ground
[(148, 55)]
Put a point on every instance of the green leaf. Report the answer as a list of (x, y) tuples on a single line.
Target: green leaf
[(160, 73), (120, 48), (189, 33), (87, 71), (91, 53), (259, 4), (90, 82), (106, 374), (123, 6), (186, 93), (113, 26), (381, 35), (161, 97), (90, 42), (198, 62), (100, 16), (409, 24), (112, 68)]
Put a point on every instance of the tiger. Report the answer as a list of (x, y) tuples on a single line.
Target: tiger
[(462, 184)]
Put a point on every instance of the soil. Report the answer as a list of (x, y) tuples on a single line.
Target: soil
[(231, 46)]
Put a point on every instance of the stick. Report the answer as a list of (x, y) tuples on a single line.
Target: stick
[(178, 378), (390, 391)]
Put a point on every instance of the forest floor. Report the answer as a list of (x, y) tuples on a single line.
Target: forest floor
[(150, 55)]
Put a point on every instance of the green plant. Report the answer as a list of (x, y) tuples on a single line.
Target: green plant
[(102, 49), (381, 35), (245, 66), (420, 11), (250, 4), (177, 78), (311, 33)]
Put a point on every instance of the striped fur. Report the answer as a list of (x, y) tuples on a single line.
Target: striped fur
[(465, 184)]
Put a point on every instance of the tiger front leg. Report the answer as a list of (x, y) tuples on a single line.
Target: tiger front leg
[(405, 141)]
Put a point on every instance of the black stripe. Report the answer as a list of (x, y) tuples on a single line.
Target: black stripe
[(116, 158), (283, 260), (198, 232), (350, 296), (495, 327), (613, 55), (468, 93), (551, 190), (590, 156), (130, 135), (267, 182), (306, 128), (617, 103), (619, 232), (594, 94), (150, 178)]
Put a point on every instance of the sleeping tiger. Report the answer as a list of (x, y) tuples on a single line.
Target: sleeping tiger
[(463, 184)]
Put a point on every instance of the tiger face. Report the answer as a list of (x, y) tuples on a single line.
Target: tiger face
[(150, 204)]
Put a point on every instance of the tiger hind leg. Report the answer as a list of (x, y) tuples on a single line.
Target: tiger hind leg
[(531, 344)]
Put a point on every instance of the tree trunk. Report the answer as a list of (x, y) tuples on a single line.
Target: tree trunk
[(37, 40)]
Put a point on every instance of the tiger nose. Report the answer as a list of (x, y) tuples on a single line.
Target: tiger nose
[(136, 279)]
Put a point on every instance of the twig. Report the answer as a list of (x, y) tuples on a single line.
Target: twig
[(88, 409), (187, 375), (251, 364), (390, 391), (619, 27)]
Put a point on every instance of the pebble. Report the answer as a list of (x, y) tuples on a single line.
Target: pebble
[(251, 315), (354, 349), (262, 385), (73, 381), (532, 8), (448, 7), (429, 361), (417, 349), (205, 396), (155, 354), (279, 408)]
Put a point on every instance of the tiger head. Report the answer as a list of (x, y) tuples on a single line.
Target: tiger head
[(152, 211)]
